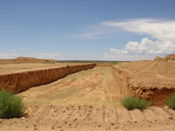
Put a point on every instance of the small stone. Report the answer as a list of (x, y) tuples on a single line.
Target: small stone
[(35, 128), (53, 127), (1, 120), (22, 117), (149, 125), (122, 126)]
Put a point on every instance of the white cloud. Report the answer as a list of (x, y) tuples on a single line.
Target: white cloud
[(8, 56), (40, 56), (146, 47), (160, 29)]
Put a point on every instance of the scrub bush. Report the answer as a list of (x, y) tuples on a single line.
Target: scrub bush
[(11, 106), (133, 102)]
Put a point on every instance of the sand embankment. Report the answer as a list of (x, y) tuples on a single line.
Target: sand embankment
[(24, 60), (21, 80), (151, 79)]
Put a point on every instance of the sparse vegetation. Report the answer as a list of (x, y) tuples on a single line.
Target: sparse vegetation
[(11, 106), (132, 102), (114, 63), (67, 66), (170, 101), (48, 62)]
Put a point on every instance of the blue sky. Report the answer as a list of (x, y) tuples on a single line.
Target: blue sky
[(87, 29)]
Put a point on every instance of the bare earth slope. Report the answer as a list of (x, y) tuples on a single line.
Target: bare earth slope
[(151, 79)]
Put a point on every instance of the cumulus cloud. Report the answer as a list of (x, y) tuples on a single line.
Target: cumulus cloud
[(162, 30), (40, 56), (146, 47)]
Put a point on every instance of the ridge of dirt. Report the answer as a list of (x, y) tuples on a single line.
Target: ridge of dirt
[(86, 117), (151, 79), (24, 60), (25, 79)]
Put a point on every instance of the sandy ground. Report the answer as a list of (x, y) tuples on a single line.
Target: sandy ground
[(85, 101), (90, 87)]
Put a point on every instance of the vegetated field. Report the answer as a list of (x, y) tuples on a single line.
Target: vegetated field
[(86, 100)]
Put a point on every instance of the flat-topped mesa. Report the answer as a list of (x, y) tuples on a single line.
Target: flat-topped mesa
[(23, 80), (153, 80)]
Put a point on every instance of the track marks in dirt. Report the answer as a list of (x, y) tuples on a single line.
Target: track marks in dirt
[(95, 87), (81, 116)]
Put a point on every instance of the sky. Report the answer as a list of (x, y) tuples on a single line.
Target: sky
[(119, 30)]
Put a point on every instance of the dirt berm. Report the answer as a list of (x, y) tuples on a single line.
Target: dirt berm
[(24, 60), (21, 81), (153, 80)]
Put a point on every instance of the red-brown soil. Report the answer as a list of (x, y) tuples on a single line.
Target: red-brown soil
[(151, 79)]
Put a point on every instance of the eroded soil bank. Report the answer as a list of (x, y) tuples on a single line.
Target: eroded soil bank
[(18, 82), (153, 80)]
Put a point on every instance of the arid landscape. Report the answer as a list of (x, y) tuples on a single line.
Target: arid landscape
[(86, 96)]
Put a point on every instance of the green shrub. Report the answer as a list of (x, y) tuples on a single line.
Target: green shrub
[(67, 66), (170, 101), (132, 102), (10, 105)]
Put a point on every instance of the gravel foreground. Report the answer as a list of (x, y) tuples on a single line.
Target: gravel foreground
[(89, 118)]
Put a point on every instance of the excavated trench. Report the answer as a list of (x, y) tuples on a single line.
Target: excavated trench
[(156, 95), (19, 82)]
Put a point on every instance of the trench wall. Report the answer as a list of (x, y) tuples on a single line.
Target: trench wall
[(156, 95), (19, 82)]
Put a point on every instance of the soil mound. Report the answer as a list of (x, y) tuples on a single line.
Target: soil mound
[(151, 79), (170, 57), (24, 60)]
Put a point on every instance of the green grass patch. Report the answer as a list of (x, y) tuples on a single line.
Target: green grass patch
[(48, 63), (67, 66), (170, 101), (11, 106), (115, 63), (133, 102)]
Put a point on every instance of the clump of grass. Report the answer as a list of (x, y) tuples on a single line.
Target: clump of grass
[(67, 66), (170, 101), (11, 106), (48, 62), (133, 102)]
